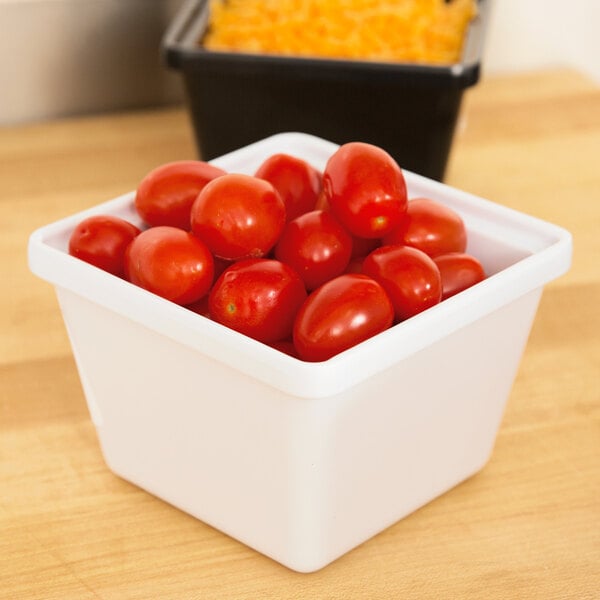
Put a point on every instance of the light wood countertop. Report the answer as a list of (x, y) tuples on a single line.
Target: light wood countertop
[(526, 526)]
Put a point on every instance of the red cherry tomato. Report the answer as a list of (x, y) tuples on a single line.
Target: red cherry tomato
[(360, 246), (101, 241), (238, 216), (171, 263), (411, 279), (340, 314), (298, 183), (166, 194), (316, 246), (431, 227), (258, 297), (365, 188), (459, 271)]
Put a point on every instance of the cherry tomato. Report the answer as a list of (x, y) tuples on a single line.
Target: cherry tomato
[(258, 297), (316, 246), (238, 216), (410, 277), (298, 183), (365, 188), (171, 263), (101, 240), (431, 227), (166, 194), (360, 246), (340, 314), (459, 271)]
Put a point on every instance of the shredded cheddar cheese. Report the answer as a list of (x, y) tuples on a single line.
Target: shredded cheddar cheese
[(423, 31)]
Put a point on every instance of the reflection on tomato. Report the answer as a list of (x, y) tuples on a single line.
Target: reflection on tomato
[(459, 271), (410, 277), (340, 314), (431, 227)]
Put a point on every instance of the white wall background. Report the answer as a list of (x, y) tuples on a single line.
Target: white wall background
[(63, 57), (535, 34)]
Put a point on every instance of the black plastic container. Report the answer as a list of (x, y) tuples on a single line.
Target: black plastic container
[(235, 99)]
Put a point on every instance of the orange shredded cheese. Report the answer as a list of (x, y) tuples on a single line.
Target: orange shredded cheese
[(424, 31)]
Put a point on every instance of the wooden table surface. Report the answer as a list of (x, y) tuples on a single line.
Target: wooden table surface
[(526, 526)]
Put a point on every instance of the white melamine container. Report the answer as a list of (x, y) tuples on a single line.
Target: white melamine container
[(303, 461)]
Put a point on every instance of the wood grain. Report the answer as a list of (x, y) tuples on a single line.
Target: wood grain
[(527, 526)]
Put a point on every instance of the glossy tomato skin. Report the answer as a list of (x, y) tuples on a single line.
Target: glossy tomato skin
[(365, 189), (431, 227), (459, 271), (102, 240), (340, 314), (258, 297), (238, 216), (360, 246), (298, 182), (410, 277), (316, 246), (171, 263), (166, 194)]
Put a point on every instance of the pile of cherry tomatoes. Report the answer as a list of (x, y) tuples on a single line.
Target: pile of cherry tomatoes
[(309, 262)]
